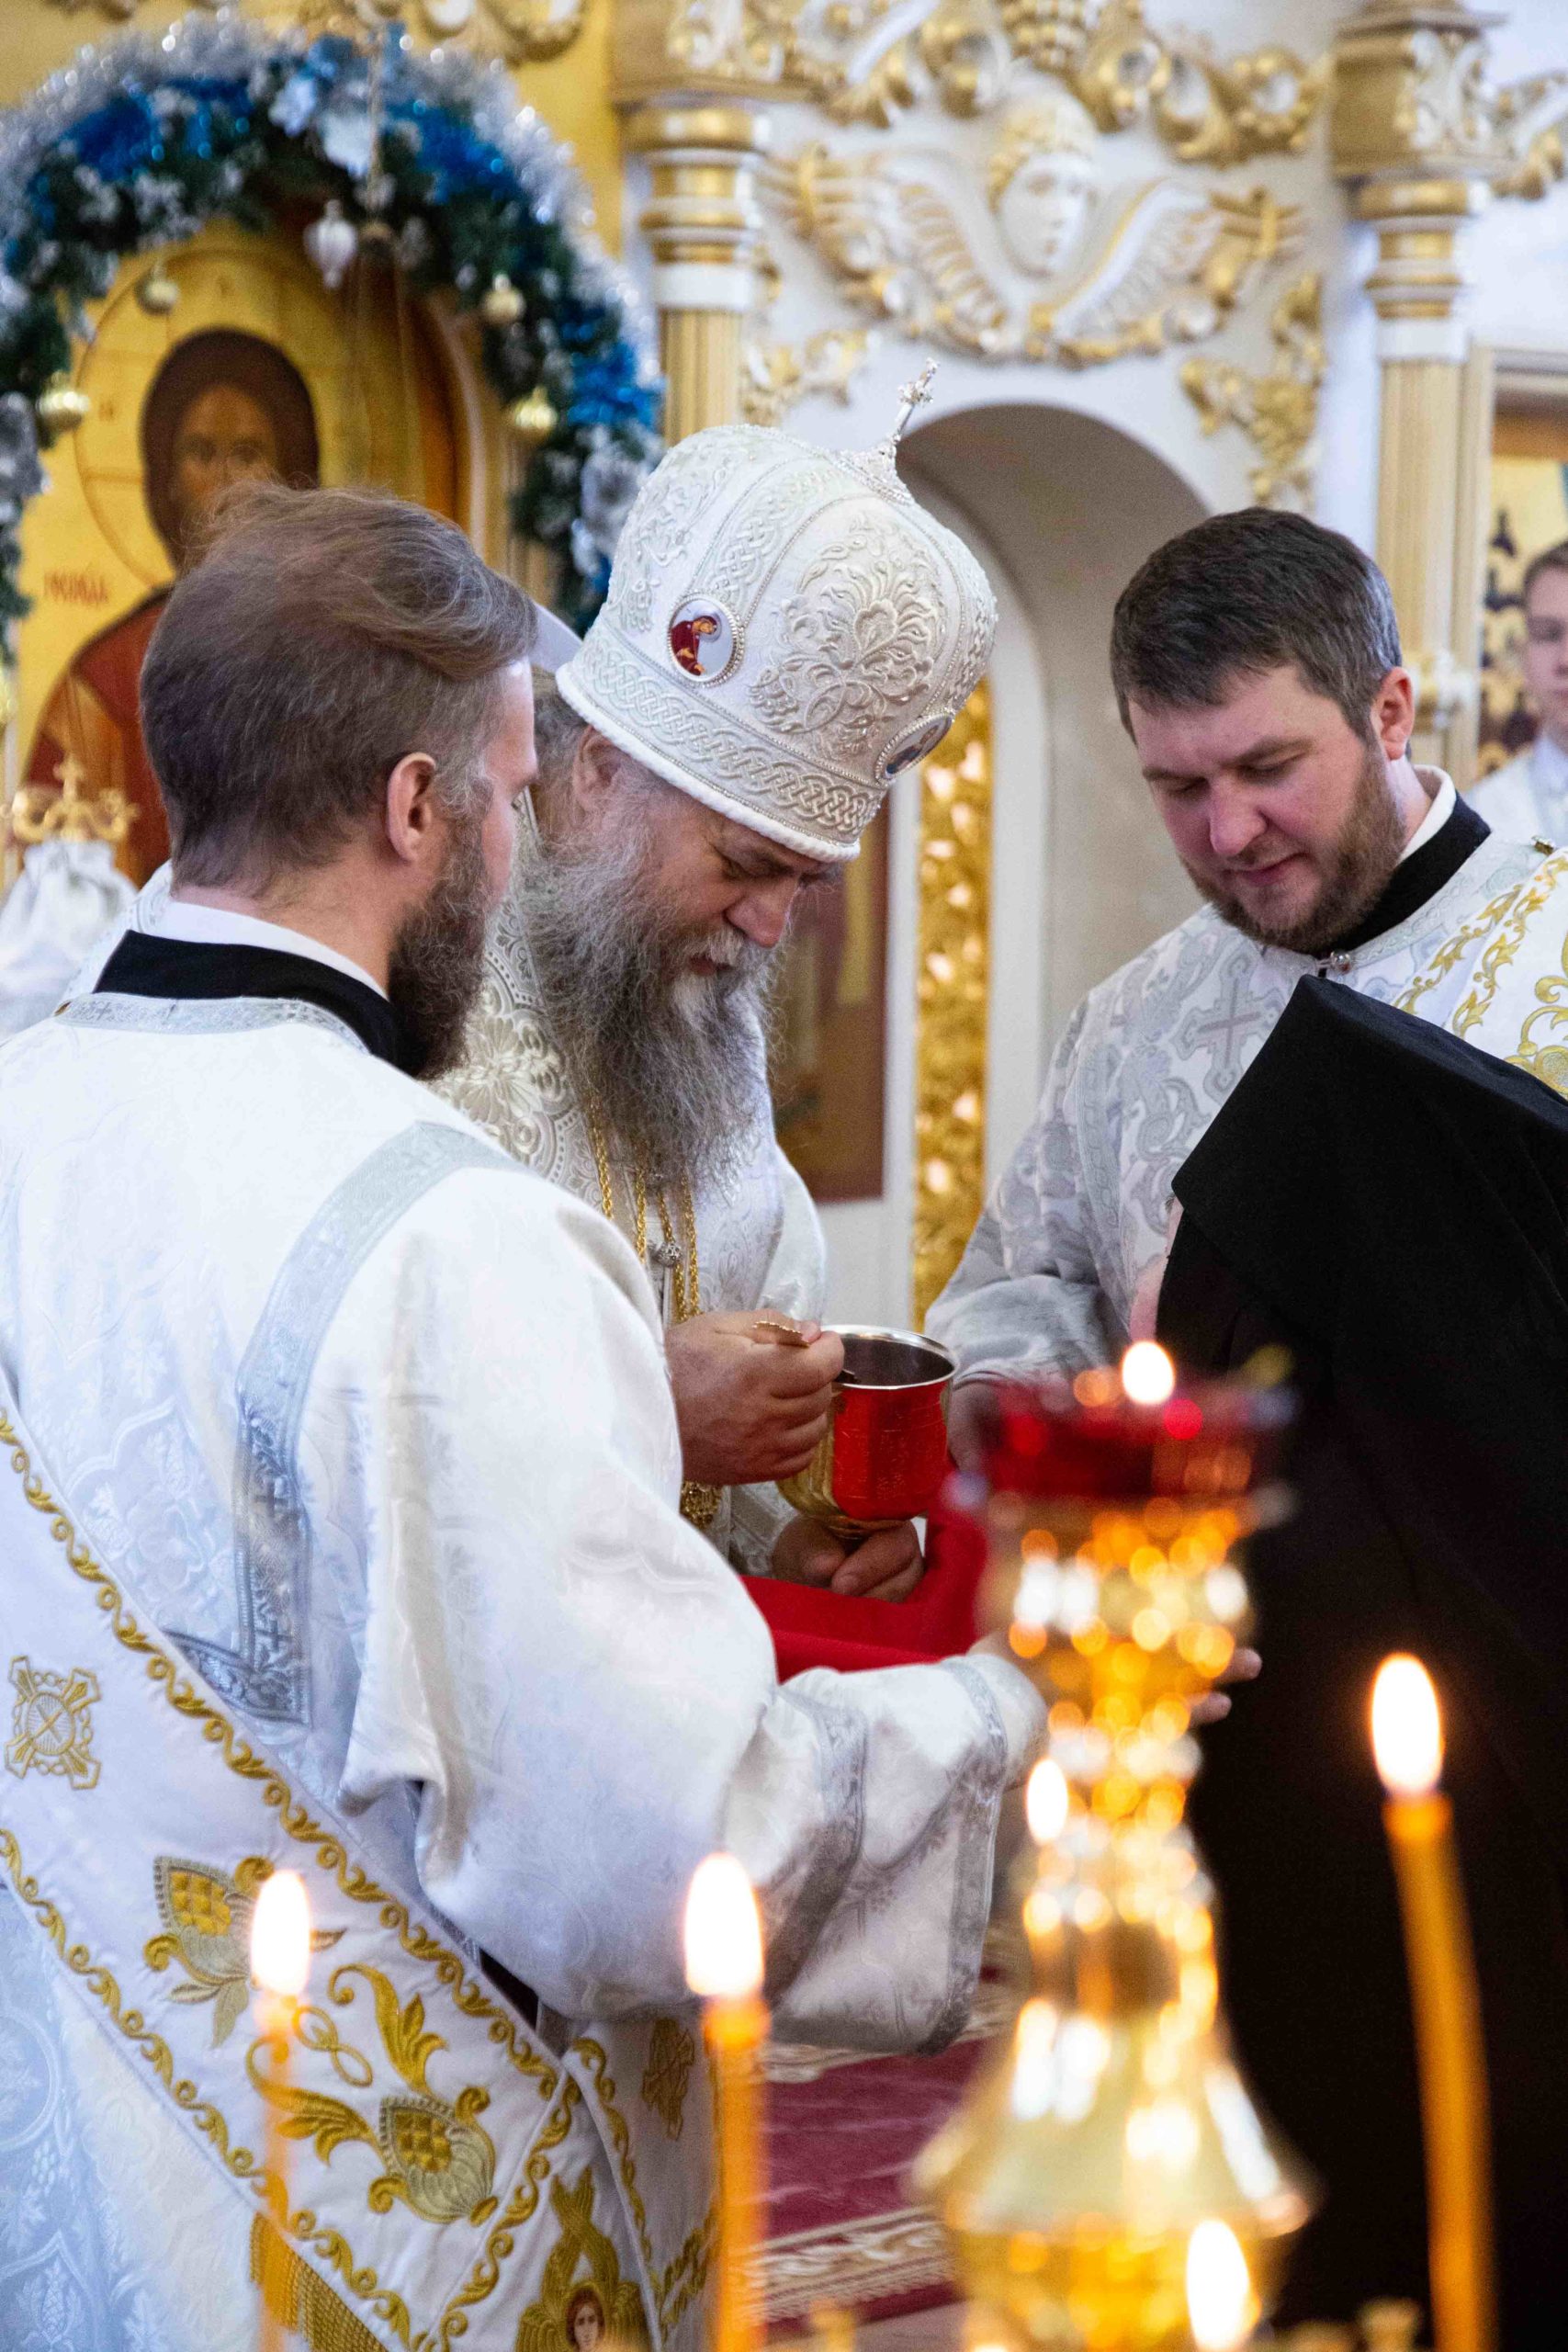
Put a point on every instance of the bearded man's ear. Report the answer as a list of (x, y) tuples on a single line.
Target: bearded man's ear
[(594, 769)]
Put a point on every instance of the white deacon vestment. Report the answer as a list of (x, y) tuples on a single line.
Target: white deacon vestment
[(1147, 1059), (1529, 796), (382, 1424)]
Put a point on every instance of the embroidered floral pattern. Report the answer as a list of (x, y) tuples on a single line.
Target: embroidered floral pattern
[(859, 640)]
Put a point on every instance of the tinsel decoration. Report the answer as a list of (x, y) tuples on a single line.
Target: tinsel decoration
[(142, 143)]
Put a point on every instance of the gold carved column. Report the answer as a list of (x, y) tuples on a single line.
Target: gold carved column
[(704, 227), (1413, 135)]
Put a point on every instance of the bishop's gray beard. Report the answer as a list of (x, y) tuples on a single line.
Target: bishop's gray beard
[(670, 1061), (437, 962)]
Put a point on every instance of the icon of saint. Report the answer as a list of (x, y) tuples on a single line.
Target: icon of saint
[(224, 407), (585, 2328)]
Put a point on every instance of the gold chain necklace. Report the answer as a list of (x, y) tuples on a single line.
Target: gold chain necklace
[(698, 1503)]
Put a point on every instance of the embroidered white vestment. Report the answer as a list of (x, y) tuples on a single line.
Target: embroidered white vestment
[(1146, 1063), (381, 1425)]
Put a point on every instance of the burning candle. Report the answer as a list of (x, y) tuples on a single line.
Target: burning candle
[(281, 1964), (1222, 2309), (724, 1967), (1407, 1740)]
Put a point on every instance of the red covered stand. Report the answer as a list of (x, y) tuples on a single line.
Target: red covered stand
[(812, 1627)]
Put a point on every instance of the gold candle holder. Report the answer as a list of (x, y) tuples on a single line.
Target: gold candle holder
[(1113, 2123)]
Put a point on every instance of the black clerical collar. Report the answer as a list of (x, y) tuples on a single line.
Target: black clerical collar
[(1418, 877), (143, 965)]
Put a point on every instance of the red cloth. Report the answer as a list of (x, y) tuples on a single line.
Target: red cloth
[(811, 1627)]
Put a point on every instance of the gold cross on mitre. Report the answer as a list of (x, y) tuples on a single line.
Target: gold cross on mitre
[(72, 814)]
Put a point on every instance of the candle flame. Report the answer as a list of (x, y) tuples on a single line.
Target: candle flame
[(1221, 2305), (1148, 1375), (1408, 1729), (280, 1935), (1046, 1801), (723, 1932)]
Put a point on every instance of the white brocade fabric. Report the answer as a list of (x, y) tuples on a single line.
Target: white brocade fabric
[(759, 1242), (65, 897), (382, 1423), (1530, 797), (1084, 1208)]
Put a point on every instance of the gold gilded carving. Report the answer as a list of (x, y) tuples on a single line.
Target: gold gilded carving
[(952, 993), (72, 814), (866, 61), (572, 2314), (1278, 411), (775, 375), (51, 1728), (672, 2054), (910, 238)]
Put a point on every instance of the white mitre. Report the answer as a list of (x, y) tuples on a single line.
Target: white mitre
[(786, 630)]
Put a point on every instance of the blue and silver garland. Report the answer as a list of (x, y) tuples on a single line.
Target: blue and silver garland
[(141, 143)]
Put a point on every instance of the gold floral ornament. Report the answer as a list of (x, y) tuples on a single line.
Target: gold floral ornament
[(50, 1724), (438, 2161), (581, 2314), (672, 2054), (1278, 411), (207, 1918)]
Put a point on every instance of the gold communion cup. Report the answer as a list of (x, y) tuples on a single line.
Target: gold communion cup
[(884, 1456), (1112, 2121)]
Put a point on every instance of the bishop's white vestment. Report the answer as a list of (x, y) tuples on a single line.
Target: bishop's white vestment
[(377, 1426), (1146, 1060), (757, 1239)]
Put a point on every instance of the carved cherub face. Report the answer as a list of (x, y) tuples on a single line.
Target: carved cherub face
[(1043, 181)]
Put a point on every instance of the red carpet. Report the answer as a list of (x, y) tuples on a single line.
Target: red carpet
[(843, 2131)]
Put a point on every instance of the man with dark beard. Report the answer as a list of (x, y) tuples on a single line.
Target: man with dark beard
[(786, 630), (340, 1532), (1258, 666)]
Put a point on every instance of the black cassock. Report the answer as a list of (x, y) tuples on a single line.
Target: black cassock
[(1393, 1205)]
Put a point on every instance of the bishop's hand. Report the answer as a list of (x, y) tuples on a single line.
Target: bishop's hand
[(753, 1397), (886, 1566)]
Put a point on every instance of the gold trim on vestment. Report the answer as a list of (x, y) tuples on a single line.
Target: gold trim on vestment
[(686, 2275), (352, 1882)]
